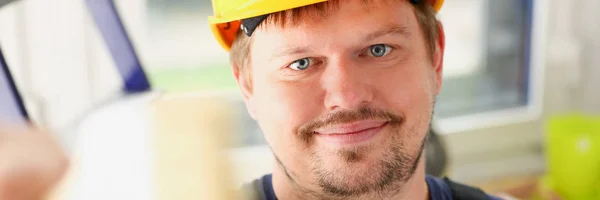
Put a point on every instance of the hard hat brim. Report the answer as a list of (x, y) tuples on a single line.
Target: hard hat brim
[(225, 28), (225, 33)]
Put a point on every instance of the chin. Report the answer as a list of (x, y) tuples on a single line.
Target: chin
[(354, 165), (367, 168), (354, 178)]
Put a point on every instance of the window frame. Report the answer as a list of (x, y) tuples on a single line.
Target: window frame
[(535, 52)]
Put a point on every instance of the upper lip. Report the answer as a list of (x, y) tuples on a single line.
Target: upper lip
[(353, 127)]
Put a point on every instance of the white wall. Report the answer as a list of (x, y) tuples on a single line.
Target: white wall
[(588, 30)]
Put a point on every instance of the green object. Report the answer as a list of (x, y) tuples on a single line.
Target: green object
[(573, 156), (188, 79)]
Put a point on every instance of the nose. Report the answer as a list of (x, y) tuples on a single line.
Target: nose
[(347, 85)]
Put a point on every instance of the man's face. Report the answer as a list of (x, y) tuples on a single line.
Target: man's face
[(345, 100)]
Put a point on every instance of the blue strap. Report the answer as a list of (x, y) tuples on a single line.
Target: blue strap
[(121, 49), (11, 103)]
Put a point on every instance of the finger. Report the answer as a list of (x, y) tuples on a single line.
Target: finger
[(31, 162)]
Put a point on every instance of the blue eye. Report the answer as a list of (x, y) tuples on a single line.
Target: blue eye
[(379, 50), (301, 64)]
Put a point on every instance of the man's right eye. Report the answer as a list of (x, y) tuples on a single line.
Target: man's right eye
[(301, 64)]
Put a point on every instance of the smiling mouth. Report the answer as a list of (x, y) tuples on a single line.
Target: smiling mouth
[(351, 133)]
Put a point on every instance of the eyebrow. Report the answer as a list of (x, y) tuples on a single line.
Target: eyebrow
[(291, 51), (393, 29)]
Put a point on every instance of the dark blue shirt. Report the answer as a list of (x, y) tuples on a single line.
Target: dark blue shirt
[(438, 189)]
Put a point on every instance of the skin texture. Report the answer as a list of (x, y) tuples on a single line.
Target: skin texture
[(345, 85), (31, 163)]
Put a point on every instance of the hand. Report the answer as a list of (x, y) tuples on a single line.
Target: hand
[(31, 163)]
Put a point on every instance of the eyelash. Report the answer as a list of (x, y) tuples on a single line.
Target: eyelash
[(366, 52), (314, 62)]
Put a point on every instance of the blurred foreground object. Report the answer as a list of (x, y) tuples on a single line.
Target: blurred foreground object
[(573, 156), (31, 163), (151, 146), (144, 144), (191, 137)]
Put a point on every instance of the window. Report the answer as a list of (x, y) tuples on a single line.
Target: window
[(487, 57)]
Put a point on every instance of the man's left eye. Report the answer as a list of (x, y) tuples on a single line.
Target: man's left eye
[(379, 50)]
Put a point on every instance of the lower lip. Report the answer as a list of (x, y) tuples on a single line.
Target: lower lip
[(351, 138)]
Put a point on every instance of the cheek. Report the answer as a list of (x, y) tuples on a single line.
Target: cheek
[(408, 87), (282, 107), (408, 90)]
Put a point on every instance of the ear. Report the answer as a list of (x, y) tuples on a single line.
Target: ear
[(244, 83), (438, 57)]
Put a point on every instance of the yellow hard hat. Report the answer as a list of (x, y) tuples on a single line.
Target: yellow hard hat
[(228, 14)]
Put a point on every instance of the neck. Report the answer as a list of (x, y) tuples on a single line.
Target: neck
[(414, 188)]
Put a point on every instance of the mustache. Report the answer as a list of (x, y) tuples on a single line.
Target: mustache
[(365, 113)]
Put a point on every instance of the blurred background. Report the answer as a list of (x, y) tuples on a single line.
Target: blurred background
[(509, 66)]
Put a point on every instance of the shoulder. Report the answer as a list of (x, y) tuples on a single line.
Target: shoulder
[(446, 189), (259, 189), (439, 189)]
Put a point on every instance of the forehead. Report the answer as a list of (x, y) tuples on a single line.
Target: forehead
[(325, 24)]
